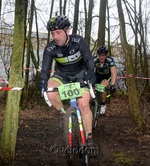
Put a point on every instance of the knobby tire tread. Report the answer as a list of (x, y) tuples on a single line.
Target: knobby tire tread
[(95, 105), (94, 108), (77, 159)]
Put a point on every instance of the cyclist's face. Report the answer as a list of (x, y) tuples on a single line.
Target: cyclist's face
[(102, 57), (59, 36)]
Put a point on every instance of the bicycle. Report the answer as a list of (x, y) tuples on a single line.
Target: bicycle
[(74, 134), (95, 103)]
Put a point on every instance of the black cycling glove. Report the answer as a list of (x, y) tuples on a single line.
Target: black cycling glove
[(89, 76), (112, 89)]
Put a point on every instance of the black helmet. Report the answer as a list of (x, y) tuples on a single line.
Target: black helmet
[(102, 50), (58, 22)]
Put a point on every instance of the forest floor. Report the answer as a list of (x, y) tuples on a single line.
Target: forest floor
[(119, 141)]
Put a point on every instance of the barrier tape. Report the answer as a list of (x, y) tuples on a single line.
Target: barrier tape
[(123, 77), (39, 70), (10, 88), (18, 88), (132, 76)]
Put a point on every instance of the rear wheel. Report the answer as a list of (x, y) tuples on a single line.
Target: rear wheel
[(95, 108), (75, 149)]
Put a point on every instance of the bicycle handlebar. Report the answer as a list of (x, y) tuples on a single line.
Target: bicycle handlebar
[(56, 89), (91, 90)]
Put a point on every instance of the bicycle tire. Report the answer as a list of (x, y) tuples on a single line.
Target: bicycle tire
[(95, 107), (74, 157)]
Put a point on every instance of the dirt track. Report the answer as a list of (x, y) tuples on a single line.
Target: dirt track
[(120, 143)]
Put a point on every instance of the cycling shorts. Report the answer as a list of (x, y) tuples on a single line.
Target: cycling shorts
[(61, 78)]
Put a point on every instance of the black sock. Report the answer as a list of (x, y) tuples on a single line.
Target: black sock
[(89, 137)]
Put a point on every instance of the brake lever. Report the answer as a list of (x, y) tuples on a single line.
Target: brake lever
[(91, 89), (42, 92)]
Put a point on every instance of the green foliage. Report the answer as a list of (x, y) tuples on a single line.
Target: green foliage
[(121, 93), (122, 158)]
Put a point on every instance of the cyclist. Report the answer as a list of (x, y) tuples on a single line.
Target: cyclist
[(105, 72), (74, 64)]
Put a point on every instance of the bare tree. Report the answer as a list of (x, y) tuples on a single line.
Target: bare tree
[(28, 57), (64, 8), (60, 6), (141, 58), (102, 22), (0, 8), (50, 16), (88, 24), (76, 17), (132, 92), (85, 11), (10, 128), (108, 29)]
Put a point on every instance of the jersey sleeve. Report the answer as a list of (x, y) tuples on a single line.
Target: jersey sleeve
[(86, 54), (46, 65), (111, 61)]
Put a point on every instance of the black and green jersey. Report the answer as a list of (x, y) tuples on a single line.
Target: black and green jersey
[(102, 71), (70, 59)]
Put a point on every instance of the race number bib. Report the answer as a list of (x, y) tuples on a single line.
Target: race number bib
[(68, 91)]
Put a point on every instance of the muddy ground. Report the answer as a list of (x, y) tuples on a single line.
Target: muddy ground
[(40, 136)]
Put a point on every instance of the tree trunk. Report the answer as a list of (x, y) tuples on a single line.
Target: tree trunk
[(36, 65), (60, 6), (50, 16), (64, 7), (108, 29), (76, 17), (25, 90), (0, 8), (132, 92), (10, 128), (141, 58), (102, 22), (89, 23)]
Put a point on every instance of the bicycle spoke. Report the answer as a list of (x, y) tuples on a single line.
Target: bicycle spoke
[(72, 135)]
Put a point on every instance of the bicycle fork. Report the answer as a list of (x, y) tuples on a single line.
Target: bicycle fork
[(73, 103)]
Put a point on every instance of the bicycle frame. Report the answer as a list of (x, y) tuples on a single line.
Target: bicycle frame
[(70, 130), (73, 103), (97, 102)]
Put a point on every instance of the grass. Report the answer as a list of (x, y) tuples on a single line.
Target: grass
[(122, 158)]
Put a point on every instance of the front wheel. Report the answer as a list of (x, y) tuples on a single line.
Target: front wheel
[(72, 136)]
